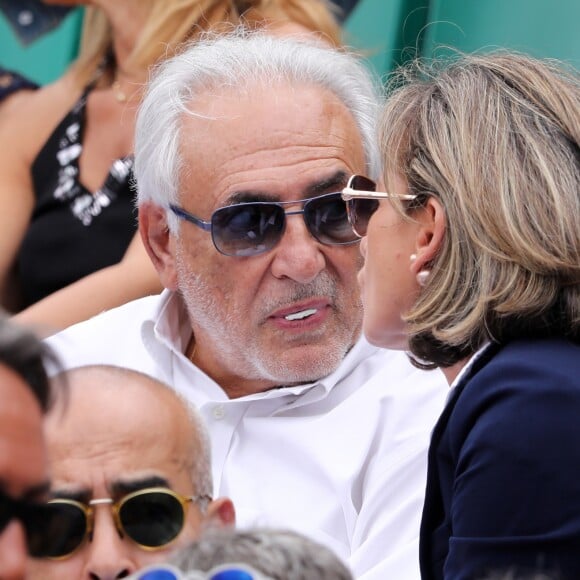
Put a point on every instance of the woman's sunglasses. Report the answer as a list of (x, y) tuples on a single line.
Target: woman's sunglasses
[(252, 228), (152, 518), (33, 517), (362, 200)]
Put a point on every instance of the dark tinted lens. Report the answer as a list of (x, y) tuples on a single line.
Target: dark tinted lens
[(6, 510), (360, 212), (328, 221), (363, 183), (247, 229), (152, 519), (55, 530)]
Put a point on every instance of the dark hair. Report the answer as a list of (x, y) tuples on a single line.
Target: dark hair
[(23, 352)]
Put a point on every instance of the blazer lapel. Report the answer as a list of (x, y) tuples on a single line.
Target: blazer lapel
[(433, 511)]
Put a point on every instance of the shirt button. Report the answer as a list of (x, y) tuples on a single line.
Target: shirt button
[(219, 412), (25, 18)]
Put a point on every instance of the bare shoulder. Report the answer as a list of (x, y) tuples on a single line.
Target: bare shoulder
[(27, 118)]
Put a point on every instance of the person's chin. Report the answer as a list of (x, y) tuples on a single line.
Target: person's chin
[(307, 363), (381, 337)]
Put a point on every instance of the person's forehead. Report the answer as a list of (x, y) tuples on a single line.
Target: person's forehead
[(269, 139), (22, 450), (117, 413), (301, 114), (117, 468), (105, 436), (16, 396), (10, 380)]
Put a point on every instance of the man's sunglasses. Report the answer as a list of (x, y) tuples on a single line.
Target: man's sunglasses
[(152, 518), (252, 228), (32, 516), (362, 200)]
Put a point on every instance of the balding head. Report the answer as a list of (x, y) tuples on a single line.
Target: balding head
[(121, 431), (103, 394)]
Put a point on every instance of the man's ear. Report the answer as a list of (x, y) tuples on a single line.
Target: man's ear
[(221, 513), (430, 234), (158, 242)]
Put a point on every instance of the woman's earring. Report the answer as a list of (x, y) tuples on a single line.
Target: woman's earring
[(423, 276)]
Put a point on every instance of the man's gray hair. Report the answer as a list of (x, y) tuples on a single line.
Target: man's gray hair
[(238, 61), (276, 553)]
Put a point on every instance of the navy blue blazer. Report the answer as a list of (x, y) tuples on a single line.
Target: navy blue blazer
[(503, 482)]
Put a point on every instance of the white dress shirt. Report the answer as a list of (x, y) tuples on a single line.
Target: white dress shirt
[(342, 460)]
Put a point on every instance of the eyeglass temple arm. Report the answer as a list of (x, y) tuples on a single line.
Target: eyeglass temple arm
[(200, 498), (349, 193), (181, 213)]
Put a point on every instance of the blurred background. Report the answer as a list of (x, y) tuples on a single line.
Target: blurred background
[(392, 31), (39, 40)]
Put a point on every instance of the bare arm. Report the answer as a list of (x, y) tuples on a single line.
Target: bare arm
[(133, 277), (16, 196)]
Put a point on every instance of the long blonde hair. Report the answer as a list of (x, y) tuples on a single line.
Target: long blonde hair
[(173, 22), (496, 139)]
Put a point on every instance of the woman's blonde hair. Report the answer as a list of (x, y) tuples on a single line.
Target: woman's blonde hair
[(174, 22), (496, 140)]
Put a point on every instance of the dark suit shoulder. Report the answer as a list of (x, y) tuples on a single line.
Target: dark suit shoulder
[(510, 455), (530, 377)]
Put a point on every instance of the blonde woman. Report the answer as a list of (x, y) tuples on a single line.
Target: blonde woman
[(68, 243), (472, 263)]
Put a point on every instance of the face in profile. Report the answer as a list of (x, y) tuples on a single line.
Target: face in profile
[(23, 466), (387, 281), (290, 313), (122, 462)]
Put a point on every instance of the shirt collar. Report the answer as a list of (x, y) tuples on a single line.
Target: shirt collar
[(167, 331), (468, 366)]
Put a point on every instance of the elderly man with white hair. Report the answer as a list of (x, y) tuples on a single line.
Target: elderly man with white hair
[(243, 146)]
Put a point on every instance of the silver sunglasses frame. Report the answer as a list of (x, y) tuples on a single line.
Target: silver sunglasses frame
[(349, 193)]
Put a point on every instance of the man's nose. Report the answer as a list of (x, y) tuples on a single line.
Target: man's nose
[(13, 552), (108, 555), (298, 255)]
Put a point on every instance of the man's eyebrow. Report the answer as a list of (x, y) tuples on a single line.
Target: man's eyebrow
[(40, 490), (333, 183), (123, 487), (34, 492), (80, 495), (116, 489), (249, 196)]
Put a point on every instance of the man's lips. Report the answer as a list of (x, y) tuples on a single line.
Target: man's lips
[(301, 311)]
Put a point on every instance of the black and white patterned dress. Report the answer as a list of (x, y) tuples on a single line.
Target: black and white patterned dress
[(73, 231)]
